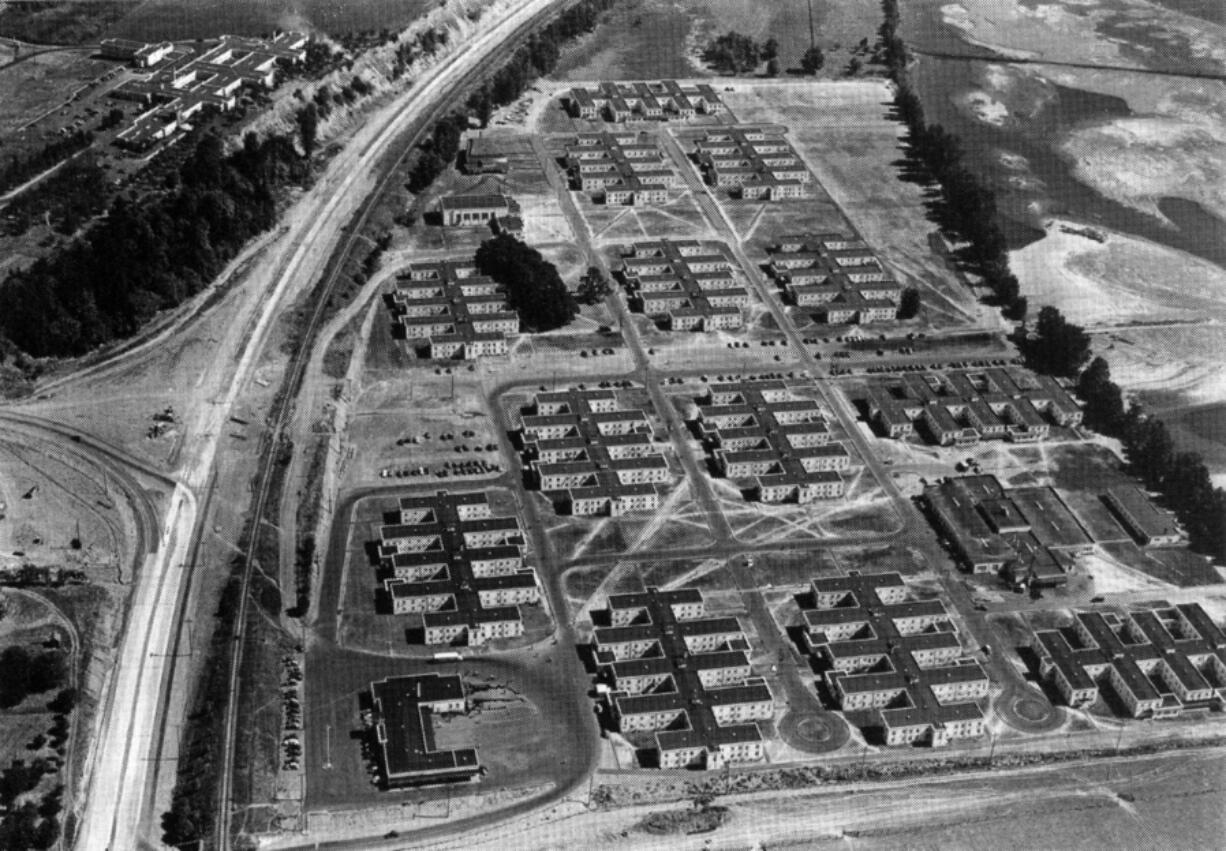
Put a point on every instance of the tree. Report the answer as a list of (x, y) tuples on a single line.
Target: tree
[(429, 166), (854, 66), (308, 123), (770, 49), (909, 304), (772, 67), (732, 53), (1149, 448), (1016, 309), (1059, 347), (1104, 403), (813, 60), (593, 286), (534, 288)]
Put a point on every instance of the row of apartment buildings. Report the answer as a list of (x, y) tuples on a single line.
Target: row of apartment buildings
[(620, 167), (1158, 662), (895, 657), (590, 456), (834, 278), (961, 408), (684, 285), (683, 676), (752, 163), (623, 101), (759, 433), (447, 310), (451, 560)]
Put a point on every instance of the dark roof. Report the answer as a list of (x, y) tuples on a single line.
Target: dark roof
[(406, 748)]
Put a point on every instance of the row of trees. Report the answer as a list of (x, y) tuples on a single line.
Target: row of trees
[(1061, 347), (145, 257), (534, 287), (969, 207), (17, 171)]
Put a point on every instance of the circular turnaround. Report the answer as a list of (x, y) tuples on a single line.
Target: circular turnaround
[(1031, 709), (813, 732)]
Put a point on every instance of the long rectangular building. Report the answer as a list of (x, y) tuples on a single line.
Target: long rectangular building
[(589, 456), (899, 658), (779, 444), (685, 676), (1147, 523), (1159, 662), (461, 568)]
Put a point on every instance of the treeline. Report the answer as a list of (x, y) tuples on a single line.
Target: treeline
[(969, 206), (147, 256), (1060, 347), (18, 171), (534, 288), (536, 58)]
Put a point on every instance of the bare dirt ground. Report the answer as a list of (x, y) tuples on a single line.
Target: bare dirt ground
[(1118, 280)]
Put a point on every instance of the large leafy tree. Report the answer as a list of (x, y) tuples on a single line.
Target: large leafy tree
[(534, 288)]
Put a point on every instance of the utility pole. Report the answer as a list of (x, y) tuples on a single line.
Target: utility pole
[(812, 36)]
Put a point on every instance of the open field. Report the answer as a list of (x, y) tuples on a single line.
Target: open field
[(36, 86), (426, 417), (1119, 280)]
